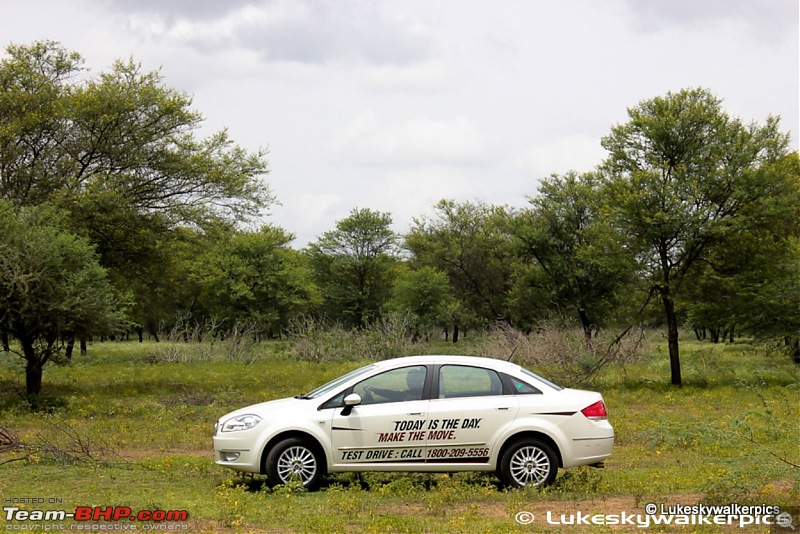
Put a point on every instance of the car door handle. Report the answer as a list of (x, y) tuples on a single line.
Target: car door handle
[(503, 408), (416, 413)]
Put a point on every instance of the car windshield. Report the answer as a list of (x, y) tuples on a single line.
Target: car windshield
[(333, 384), (540, 379)]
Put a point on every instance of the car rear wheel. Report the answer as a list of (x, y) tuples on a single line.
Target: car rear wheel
[(528, 462), (294, 459)]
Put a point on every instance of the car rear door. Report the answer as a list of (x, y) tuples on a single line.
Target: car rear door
[(469, 410)]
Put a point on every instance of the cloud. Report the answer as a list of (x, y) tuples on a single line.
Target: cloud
[(403, 191), (310, 31), (563, 154), (179, 9), (418, 78), (419, 141), (765, 20), (309, 212)]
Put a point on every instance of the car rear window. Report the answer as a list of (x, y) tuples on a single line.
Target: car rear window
[(522, 388), (540, 379)]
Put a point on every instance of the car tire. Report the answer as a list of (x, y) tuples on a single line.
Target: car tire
[(295, 459), (528, 463)]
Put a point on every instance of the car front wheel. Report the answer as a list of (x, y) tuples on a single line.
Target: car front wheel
[(528, 462), (294, 459)]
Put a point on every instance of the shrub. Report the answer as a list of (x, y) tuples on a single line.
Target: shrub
[(566, 353), (312, 340)]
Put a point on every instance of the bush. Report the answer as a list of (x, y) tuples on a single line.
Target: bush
[(312, 340), (239, 344), (567, 354)]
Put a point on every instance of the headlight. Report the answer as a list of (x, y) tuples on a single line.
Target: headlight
[(241, 422)]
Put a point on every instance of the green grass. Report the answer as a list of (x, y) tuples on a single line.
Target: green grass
[(722, 438)]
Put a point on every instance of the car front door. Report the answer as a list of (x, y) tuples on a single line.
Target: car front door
[(468, 413), (388, 426)]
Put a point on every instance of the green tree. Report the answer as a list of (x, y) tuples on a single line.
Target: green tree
[(354, 266), (120, 154), (583, 262), (471, 243), (65, 137), (52, 287), (169, 286), (255, 278), (750, 281), (425, 295), (774, 310), (683, 176)]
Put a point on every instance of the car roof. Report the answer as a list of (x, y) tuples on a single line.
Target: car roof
[(440, 359)]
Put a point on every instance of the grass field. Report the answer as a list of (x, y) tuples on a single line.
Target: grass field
[(126, 427)]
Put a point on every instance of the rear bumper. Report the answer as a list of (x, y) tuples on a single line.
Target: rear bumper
[(588, 451)]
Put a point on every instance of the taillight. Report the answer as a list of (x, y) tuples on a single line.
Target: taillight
[(595, 411)]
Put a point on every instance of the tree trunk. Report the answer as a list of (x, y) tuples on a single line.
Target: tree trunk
[(455, 333), (70, 348), (83, 346), (587, 326), (33, 368), (794, 348), (714, 335), (6, 346), (700, 333), (672, 336)]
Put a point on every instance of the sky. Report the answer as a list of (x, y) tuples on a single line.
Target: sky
[(394, 105)]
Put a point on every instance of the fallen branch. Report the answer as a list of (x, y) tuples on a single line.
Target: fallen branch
[(68, 445), (10, 442)]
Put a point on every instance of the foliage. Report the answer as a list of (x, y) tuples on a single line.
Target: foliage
[(683, 176), (751, 280), (471, 244), (564, 354), (774, 301), (119, 154), (315, 341), (52, 288), (354, 265), (123, 133), (424, 294), (255, 278), (692, 207), (579, 259), (237, 343)]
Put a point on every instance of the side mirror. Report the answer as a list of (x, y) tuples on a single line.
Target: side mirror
[(354, 399)]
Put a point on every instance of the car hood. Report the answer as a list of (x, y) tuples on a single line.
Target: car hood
[(264, 409)]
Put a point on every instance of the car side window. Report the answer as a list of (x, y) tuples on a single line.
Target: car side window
[(464, 381), (522, 388), (397, 385)]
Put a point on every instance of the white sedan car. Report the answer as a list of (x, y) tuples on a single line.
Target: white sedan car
[(421, 413)]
